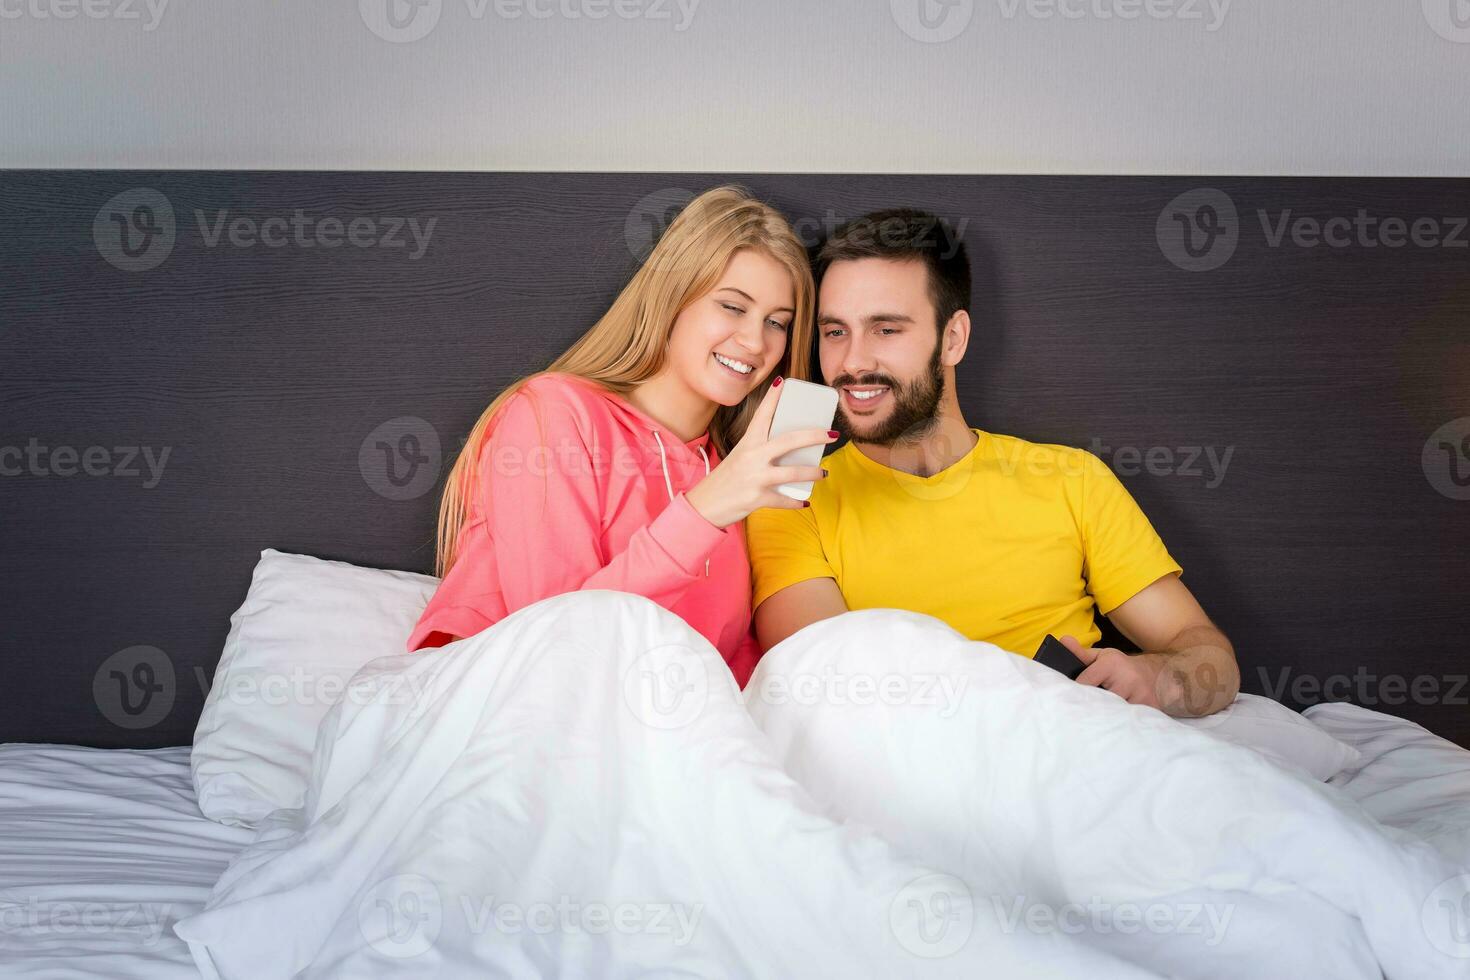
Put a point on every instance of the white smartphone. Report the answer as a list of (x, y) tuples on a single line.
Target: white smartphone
[(802, 405)]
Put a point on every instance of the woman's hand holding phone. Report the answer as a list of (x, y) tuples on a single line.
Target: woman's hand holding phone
[(748, 478)]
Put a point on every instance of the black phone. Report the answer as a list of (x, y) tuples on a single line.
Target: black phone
[(1055, 655)]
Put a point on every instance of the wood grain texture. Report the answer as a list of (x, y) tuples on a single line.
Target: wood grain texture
[(1324, 551)]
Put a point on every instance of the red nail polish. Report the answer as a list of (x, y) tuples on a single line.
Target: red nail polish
[(832, 433), (806, 503), (777, 382)]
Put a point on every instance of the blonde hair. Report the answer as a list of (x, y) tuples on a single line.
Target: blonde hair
[(627, 346)]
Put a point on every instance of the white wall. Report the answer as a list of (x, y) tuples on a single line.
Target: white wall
[(1183, 87)]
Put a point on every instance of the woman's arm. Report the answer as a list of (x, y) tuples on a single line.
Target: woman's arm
[(544, 508)]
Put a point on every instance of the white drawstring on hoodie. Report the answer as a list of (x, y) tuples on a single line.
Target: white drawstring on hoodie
[(669, 484)]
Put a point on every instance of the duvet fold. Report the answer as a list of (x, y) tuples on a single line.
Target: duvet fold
[(581, 790)]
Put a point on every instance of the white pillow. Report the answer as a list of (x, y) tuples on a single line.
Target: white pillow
[(1280, 734), (306, 627)]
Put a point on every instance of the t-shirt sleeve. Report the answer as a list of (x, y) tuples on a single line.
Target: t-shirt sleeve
[(785, 548), (1123, 552)]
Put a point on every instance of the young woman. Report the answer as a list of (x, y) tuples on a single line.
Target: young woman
[(631, 462)]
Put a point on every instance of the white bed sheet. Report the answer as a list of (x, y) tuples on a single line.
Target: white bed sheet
[(1408, 778), (101, 851)]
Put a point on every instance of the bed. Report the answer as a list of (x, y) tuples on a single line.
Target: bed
[(1408, 778), (105, 848)]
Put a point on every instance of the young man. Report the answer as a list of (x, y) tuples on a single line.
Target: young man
[(1004, 540)]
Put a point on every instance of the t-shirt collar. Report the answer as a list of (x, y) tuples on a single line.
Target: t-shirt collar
[(963, 463)]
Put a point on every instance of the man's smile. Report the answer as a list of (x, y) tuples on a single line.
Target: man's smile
[(863, 398)]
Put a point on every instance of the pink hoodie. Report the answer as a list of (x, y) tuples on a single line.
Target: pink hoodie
[(579, 489)]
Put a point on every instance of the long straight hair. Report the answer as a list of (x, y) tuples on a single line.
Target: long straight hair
[(627, 346)]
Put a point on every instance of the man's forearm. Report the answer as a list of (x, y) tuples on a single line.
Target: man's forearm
[(1196, 672)]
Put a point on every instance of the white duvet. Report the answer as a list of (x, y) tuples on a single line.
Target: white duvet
[(580, 791)]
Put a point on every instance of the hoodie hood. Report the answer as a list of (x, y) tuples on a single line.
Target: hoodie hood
[(665, 442), (682, 464)]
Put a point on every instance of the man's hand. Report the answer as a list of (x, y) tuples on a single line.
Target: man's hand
[(1196, 679), (1188, 666), (1134, 679)]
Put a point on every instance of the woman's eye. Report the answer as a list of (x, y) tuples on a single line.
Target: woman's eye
[(777, 324), (733, 309)]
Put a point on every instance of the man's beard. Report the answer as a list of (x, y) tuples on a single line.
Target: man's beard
[(915, 409)]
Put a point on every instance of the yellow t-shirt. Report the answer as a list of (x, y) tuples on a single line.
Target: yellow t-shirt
[(1013, 541)]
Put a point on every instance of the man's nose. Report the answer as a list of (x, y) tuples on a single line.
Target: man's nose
[(857, 360)]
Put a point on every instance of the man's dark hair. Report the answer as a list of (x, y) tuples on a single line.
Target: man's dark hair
[(903, 234)]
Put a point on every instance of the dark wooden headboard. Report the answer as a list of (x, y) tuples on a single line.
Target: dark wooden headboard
[(1294, 417)]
